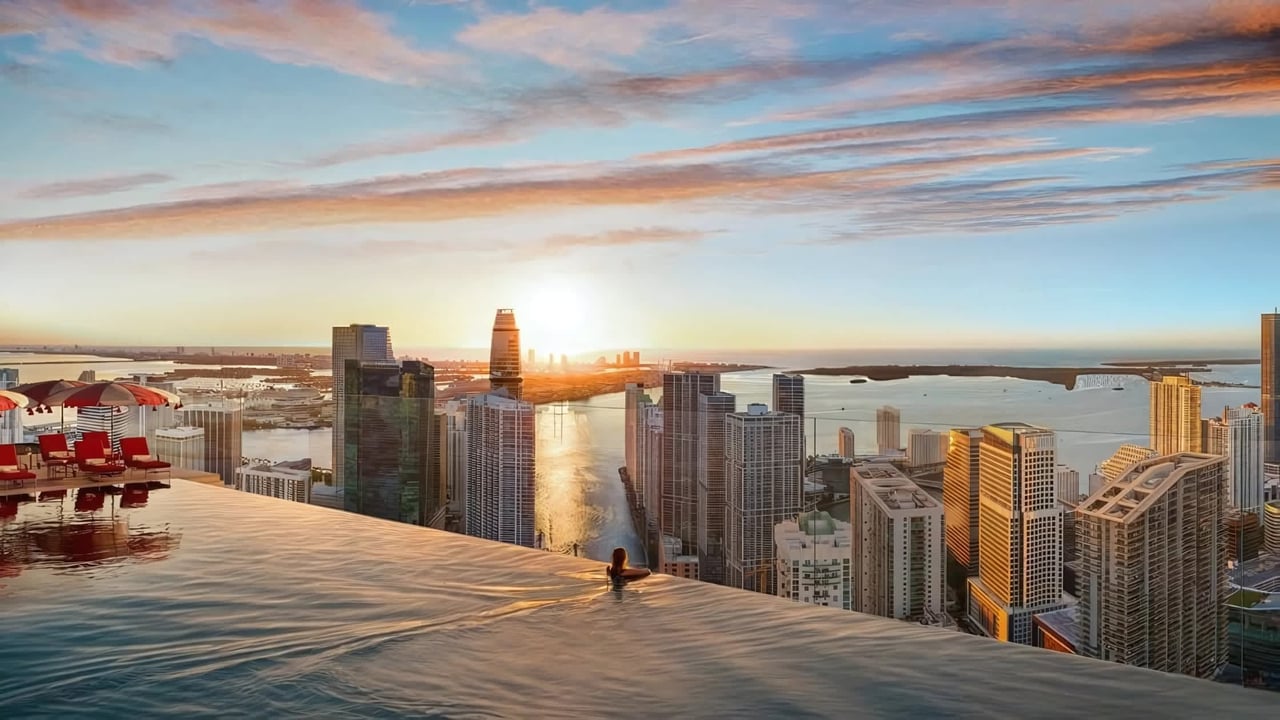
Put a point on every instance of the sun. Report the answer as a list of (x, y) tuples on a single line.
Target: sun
[(555, 317)]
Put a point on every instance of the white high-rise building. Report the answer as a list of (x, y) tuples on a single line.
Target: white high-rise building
[(678, 514), (1019, 532), (926, 448), (368, 344), (288, 480), (632, 397), (888, 429), (845, 443), (762, 455), (899, 562), (1175, 415), (10, 420), (500, 469), (223, 432), (116, 422), (154, 417), (181, 447), (1153, 582), (815, 560), (1068, 484), (649, 464), (1238, 436), (1125, 457)]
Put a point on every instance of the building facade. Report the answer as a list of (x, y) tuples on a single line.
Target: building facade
[(899, 560), (500, 469), (1019, 532), (678, 513), (452, 431), (1125, 457), (1175, 416), (223, 426), (713, 408), (1271, 387), (649, 486), (1153, 582), (763, 489), (845, 443), (1238, 435), (960, 497), (365, 344), (926, 448), (11, 426), (632, 397), (388, 469), (815, 560), (504, 355), (288, 480), (888, 429), (1068, 483), (788, 397), (181, 447)]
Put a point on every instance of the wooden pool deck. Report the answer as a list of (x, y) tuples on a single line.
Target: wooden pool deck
[(44, 483)]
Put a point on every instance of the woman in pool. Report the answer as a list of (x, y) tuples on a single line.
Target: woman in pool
[(619, 574)]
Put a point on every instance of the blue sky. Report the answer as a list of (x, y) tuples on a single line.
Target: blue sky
[(678, 174)]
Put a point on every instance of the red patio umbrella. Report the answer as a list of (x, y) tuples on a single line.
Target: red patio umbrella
[(10, 400), (40, 391), (110, 394)]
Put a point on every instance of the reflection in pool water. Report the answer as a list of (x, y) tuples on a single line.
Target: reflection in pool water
[(211, 603)]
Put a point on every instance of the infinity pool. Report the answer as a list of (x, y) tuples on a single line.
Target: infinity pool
[(201, 601)]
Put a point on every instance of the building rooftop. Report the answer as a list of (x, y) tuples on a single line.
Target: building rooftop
[(1064, 623), (891, 488), (206, 602), (1141, 485)]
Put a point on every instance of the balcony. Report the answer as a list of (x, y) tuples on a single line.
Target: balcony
[(208, 602)]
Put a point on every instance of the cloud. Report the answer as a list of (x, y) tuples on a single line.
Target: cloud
[(341, 36), (622, 238), (93, 186), (909, 196)]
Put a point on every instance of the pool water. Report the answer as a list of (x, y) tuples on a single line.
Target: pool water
[(201, 601)]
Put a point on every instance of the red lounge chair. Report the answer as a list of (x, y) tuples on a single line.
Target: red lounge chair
[(101, 439), (93, 461), (138, 457), (56, 455), (10, 470)]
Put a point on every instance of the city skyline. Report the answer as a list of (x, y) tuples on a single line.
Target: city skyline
[(582, 163)]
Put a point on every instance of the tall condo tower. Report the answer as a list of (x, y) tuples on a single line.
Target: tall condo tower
[(788, 397), (365, 344), (1153, 579), (762, 467), (223, 426), (845, 443), (712, 410), (1271, 386), (387, 461), (898, 559), (678, 514), (960, 497), (504, 355), (1175, 416), (888, 429), (500, 469), (1019, 532), (1238, 435)]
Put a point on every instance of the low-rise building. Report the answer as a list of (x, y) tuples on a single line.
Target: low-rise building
[(814, 560), (288, 480)]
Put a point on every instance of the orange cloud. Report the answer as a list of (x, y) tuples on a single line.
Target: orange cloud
[(93, 186)]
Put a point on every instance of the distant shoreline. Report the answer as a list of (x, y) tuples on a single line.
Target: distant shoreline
[(1064, 376), (1181, 363)]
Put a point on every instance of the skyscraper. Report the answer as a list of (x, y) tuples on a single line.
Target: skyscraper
[(888, 429), (453, 456), (1175, 415), (1068, 482), (649, 467), (960, 497), (1238, 436), (762, 489), (1271, 386), (898, 559), (288, 480), (500, 469), (1019, 531), (504, 355), (788, 397), (678, 515), (631, 404), (845, 445), (926, 448), (363, 343), (223, 433), (387, 459), (1125, 457), (1153, 583), (815, 560), (712, 410)]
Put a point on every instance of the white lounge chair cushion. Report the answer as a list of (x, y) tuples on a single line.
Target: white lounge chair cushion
[(142, 458), (95, 461), (61, 454), (8, 468)]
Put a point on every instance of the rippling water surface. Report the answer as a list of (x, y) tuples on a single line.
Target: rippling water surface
[(200, 601)]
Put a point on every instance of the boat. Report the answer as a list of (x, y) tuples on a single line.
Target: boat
[(1117, 388), (857, 381)]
